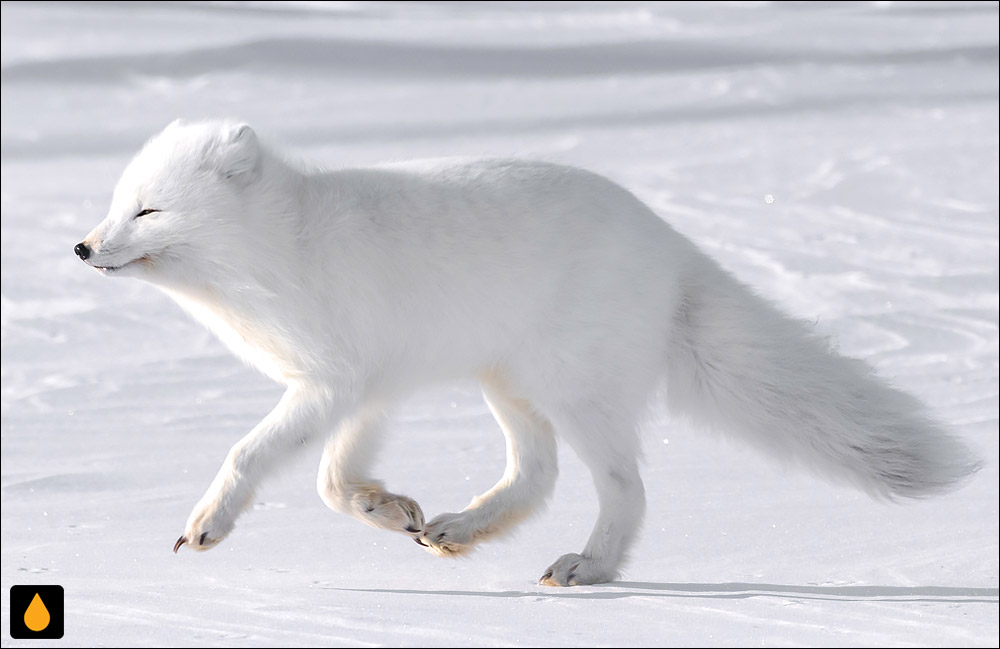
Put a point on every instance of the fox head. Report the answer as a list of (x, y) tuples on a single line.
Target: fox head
[(179, 202)]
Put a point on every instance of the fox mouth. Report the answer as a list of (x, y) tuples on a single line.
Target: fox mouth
[(108, 270)]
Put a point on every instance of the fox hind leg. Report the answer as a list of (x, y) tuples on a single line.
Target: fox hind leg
[(532, 467), (608, 444)]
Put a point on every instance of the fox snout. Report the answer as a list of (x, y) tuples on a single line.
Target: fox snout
[(82, 250)]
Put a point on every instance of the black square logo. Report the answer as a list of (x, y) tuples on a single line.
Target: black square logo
[(36, 612)]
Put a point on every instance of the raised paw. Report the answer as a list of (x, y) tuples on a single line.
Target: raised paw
[(388, 511), (203, 542), (449, 535), (209, 523), (576, 570)]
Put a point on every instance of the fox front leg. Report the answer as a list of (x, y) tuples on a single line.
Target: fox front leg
[(301, 414), (345, 485)]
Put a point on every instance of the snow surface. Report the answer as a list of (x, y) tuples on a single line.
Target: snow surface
[(841, 158)]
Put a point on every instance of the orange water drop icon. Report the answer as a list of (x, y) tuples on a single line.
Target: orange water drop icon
[(37, 616)]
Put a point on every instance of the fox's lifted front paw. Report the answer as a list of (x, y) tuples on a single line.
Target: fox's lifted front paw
[(203, 542), (209, 523), (388, 511), (449, 535)]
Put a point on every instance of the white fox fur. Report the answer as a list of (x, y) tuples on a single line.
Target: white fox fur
[(565, 296)]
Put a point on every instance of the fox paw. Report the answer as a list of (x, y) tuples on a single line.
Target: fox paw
[(449, 535), (388, 511), (577, 570), (209, 523)]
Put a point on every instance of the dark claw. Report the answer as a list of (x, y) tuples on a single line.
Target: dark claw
[(369, 509), (177, 546), (411, 529), (440, 537), (546, 576), (417, 540), (201, 541)]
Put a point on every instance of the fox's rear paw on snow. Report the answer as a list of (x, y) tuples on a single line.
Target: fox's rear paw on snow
[(576, 570)]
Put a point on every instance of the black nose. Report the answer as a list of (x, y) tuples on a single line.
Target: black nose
[(82, 250)]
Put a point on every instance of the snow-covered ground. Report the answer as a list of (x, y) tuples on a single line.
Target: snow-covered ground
[(841, 158)]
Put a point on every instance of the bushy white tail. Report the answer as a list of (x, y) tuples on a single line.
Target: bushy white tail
[(741, 367)]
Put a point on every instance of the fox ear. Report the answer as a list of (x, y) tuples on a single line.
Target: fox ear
[(239, 151)]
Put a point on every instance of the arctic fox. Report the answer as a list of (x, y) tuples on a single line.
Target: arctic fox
[(567, 298)]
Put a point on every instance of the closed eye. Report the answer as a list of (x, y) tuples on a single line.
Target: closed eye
[(144, 213)]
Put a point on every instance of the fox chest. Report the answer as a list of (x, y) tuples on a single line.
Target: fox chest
[(257, 335)]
